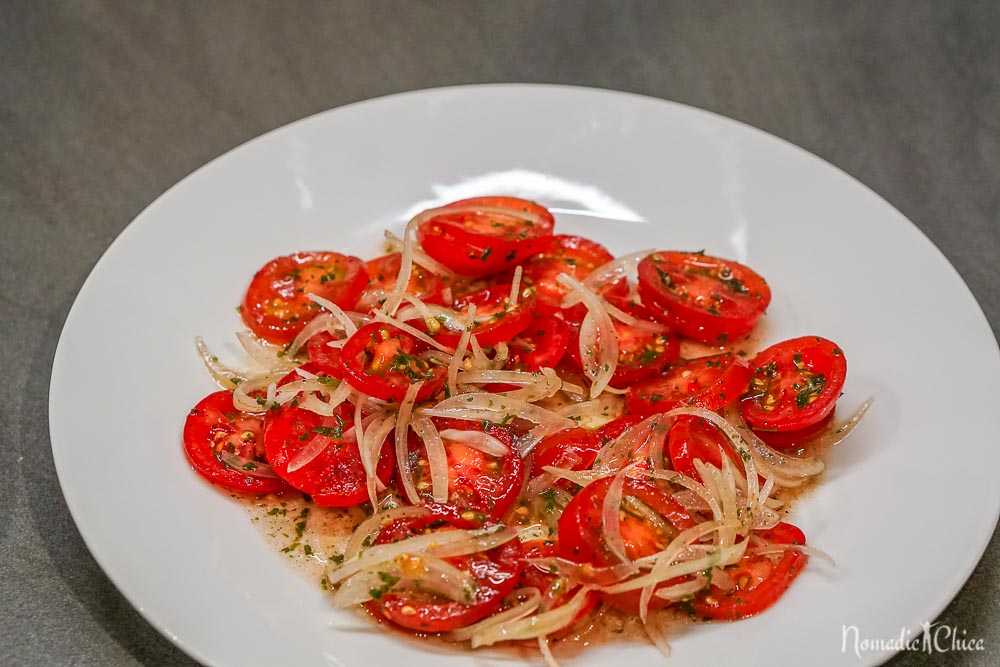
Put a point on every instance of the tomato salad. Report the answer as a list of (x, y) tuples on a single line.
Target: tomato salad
[(513, 411)]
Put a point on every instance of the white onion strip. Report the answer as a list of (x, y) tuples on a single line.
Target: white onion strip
[(484, 442), (224, 376), (437, 457), (419, 256), (611, 510), (246, 466), (413, 331), (342, 317), (459, 357), (537, 625), (402, 443), (263, 354), (532, 599), (515, 285), (598, 340), (370, 527), (782, 548)]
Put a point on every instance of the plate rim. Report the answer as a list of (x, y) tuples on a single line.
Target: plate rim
[(150, 615)]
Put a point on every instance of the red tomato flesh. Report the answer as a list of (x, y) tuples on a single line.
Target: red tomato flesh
[(572, 255), (382, 361), (382, 274)]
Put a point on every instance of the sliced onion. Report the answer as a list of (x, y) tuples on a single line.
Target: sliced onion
[(515, 285), (313, 403), (625, 267), (419, 256), (537, 625), (598, 340), (346, 321), (370, 527), (371, 448), (543, 648), (243, 401), (384, 553), (224, 376), (256, 468), (413, 331), (611, 528), (720, 557), (657, 637), (414, 573), (633, 321), (777, 548), (680, 591), (481, 540), (459, 357), (844, 429), (527, 599), (437, 457), (786, 470), (263, 354), (478, 440), (322, 322), (579, 477), (402, 443)]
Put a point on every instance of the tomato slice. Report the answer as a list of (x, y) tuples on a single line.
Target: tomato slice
[(706, 298), (616, 428), (276, 307), (795, 385), (760, 581), (693, 438), (707, 382), (496, 320), (382, 274), (476, 480), (572, 449), (542, 344), (478, 243), (556, 591), (336, 476), (572, 255), (496, 573), (215, 430), (581, 537), (325, 358), (382, 361), (641, 352), (795, 439)]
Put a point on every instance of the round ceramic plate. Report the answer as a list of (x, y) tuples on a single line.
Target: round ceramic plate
[(629, 171)]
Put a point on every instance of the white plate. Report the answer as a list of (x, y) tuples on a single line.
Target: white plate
[(907, 506)]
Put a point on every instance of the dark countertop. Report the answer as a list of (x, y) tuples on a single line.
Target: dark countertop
[(104, 105)]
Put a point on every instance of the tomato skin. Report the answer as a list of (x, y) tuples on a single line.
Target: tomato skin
[(795, 439), (212, 424), (477, 244), (496, 320), (325, 358), (572, 449), (710, 383), (496, 572), (616, 428), (572, 255), (380, 360), (334, 478), (542, 344), (709, 299), (476, 480), (765, 582), (382, 273), (693, 438), (580, 534), (276, 307), (795, 385)]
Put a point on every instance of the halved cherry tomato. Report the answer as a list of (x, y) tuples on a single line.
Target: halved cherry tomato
[(324, 357), (496, 573), (215, 429), (641, 352), (694, 438), (496, 320), (542, 344), (556, 591), (581, 535), (572, 255), (759, 580), (707, 382), (382, 361), (276, 308), (572, 449), (478, 243), (336, 476), (709, 299), (796, 384), (476, 480), (382, 273)]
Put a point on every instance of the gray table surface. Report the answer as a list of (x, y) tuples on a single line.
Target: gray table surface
[(103, 105)]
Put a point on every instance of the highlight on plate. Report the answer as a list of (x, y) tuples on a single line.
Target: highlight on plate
[(535, 436)]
